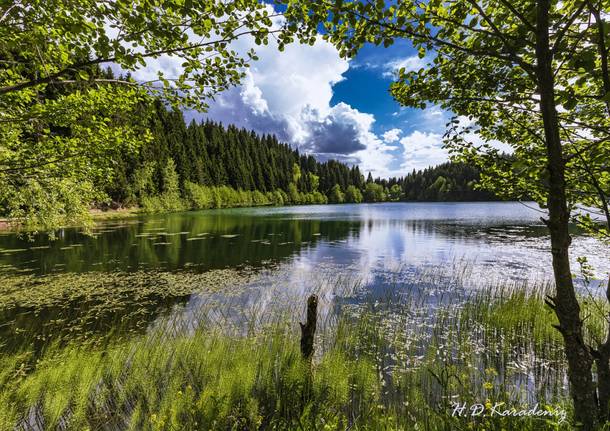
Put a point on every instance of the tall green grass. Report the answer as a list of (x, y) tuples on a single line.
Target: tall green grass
[(395, 363)]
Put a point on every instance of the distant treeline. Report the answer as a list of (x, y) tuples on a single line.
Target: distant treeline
[(208, 165)]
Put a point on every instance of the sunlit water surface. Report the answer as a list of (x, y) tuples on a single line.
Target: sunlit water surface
[(371, 248)]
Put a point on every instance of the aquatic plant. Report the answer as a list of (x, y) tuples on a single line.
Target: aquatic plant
[(393, 362)]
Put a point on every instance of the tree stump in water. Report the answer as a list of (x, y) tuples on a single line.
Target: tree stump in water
[(308, 329)]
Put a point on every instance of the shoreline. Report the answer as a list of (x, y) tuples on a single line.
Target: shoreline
[(98, 214), (126, 213), (95, 213)]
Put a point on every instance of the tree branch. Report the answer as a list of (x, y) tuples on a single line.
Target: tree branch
[(521, 17), (38, 81), (7, 11), (559, 36)]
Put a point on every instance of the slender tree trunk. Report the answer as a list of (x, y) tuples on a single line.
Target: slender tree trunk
[(565, 301), (602, 362)]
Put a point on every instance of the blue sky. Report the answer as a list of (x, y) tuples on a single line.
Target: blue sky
[(367, 82), (366, 88), (329, 106), (336, 108)]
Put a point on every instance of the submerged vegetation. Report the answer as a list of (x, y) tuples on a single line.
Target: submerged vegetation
[(37, 311), (397, 361)]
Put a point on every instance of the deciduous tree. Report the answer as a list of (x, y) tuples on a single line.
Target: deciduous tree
[(62, 120), (531, 74)]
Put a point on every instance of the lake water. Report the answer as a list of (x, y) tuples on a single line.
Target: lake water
[(374, 246)]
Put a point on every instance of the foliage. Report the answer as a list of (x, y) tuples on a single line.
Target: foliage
[(533, 75), (374, 193), (62, 119), (293, 193), (209, 154), (204, 197), (395, 193), (169, 199), (353, 195), (492, 90), (314, 181), (336, 196), (445, 182), (142, 184), (52, 159)]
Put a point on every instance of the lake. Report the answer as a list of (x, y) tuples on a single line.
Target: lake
[(155, 265)]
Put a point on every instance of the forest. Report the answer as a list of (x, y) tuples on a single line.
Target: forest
[(208, 165)]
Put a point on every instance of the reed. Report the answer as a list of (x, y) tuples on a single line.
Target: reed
[(395, 361)]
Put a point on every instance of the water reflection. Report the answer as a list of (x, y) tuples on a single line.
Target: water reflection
[(295, 249), (499, 235), (201, 241)]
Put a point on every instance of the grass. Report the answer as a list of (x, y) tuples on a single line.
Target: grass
[(112, 214), (390, 363)]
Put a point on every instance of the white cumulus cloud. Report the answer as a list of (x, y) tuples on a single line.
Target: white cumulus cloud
[(391, 135), (390, 69), (422, 149), (289, 94)]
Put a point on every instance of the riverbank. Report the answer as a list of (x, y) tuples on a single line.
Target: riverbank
[(96, 214), (155, 207)]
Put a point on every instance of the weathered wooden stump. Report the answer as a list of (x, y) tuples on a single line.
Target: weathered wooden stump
[(308, 329)]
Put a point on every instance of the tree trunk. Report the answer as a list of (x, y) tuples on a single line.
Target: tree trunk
[(565, 301), (602, 362), (603, 383), (308, 333), (308, 329)]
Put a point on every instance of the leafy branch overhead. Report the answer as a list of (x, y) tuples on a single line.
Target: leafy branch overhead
[(482, 66), (62, 117), (50, 42), (532, 76)]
